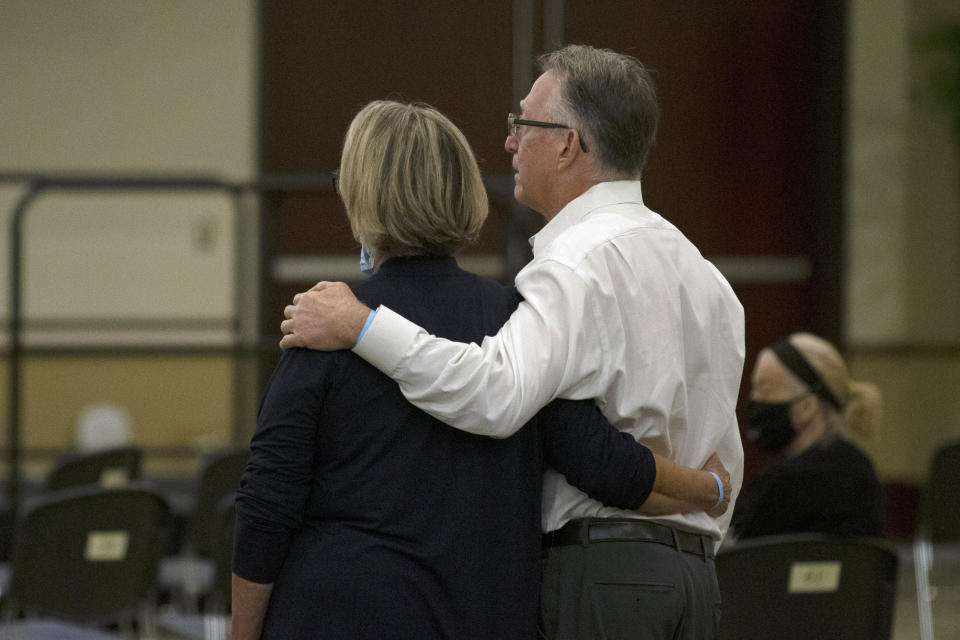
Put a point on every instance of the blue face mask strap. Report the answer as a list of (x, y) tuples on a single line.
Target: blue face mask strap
[(366, 261), (798, 365)]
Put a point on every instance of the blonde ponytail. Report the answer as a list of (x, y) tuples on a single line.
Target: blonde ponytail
[(864, 408)]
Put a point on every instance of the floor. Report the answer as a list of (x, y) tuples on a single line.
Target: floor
[(906, 623)]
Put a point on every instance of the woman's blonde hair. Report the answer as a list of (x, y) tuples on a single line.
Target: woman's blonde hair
[(860, 402), (409, 181)]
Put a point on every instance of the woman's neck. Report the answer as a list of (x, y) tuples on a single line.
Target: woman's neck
[(810, 434)]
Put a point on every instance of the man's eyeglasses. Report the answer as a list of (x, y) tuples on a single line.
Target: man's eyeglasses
[(513, 122)]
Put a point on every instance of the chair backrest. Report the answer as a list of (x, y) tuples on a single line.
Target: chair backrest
[(807, 586), (219, 478), (106, 468), (89, 554), (940, 511)]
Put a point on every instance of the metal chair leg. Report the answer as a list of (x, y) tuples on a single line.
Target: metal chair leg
[(922, 560)]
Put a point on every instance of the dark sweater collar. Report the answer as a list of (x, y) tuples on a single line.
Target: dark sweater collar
[(420, 265)]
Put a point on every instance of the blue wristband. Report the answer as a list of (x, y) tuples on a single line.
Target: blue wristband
[(719, 486), (366, 325)]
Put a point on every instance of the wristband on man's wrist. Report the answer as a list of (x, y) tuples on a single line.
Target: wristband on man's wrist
[(719, 486)]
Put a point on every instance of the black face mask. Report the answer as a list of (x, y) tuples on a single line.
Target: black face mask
[(772, 429)]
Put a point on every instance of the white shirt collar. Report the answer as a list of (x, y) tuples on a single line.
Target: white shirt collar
[(599, 195)]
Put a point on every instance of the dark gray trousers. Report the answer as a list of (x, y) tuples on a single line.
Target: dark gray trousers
[(618, 590)]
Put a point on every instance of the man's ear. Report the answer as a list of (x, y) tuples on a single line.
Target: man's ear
[(570, 149)]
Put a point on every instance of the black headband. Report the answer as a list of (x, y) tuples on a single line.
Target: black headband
[(799, 366)]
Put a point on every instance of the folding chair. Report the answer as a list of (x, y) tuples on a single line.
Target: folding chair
[(938, 529), (89, 555), (807, 587), (106, 468), (192, 574), (215, 623)]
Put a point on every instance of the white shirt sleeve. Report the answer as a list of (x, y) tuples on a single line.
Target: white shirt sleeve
[(493, 389)]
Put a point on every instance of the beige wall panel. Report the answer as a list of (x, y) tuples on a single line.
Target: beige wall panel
[(136, 87), (876, 190), (921, 409), (172, 400), (139, 86), (148, 256), (933, 212)]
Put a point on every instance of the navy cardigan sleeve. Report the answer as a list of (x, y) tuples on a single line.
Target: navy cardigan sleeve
[(606, 464), (276, 485)]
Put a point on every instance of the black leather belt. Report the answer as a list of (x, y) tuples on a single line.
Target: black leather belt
[(589, 530)]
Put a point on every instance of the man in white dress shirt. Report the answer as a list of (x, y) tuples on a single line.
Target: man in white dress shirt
[(618, 306)]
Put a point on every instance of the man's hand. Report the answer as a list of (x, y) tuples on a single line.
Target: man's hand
[(679, 489), (327, 317), (713, 464)]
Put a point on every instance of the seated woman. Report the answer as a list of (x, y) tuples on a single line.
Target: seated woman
[(802, 402), (360, 516)]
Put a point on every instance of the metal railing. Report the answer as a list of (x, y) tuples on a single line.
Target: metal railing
[(37, 184)]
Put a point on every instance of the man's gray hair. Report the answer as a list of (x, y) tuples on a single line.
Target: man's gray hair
[(610, 98)]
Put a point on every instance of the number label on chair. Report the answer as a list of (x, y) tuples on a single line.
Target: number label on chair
[(814, 577), (106, 546)]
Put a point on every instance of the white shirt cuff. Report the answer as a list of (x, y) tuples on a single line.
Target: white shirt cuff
[(387, 340)]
